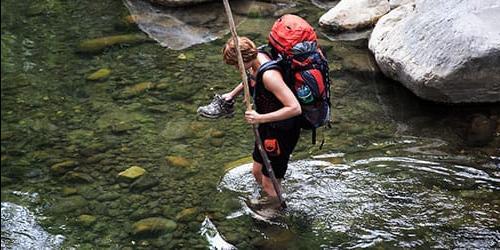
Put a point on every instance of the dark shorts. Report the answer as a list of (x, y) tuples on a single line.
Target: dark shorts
[(286, 137)]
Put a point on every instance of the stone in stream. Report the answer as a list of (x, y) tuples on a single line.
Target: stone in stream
[(69, 204), (63, 167), (187, 214), (178, 161), (98, 44), (86, 220), (135, 90), (77, 177), (99, 75), (132, 173), (143, 183), (68, 191), (153, 225)]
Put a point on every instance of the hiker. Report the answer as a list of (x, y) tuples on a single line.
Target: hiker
[(276, 111), (291, 70)]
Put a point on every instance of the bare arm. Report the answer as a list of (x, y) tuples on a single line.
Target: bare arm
[(233, 93), (273, 81)]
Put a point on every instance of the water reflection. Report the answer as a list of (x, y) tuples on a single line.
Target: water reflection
[(21, 231)]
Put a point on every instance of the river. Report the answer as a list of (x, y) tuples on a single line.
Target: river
[(394, 171)]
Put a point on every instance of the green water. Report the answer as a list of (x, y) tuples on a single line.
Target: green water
[(401, 175)]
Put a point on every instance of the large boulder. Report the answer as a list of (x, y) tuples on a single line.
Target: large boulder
[(444, 51), (351, 15)]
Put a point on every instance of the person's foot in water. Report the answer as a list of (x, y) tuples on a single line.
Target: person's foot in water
[(268, 207)]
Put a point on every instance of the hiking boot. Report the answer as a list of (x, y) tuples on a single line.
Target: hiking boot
[(219, 107)]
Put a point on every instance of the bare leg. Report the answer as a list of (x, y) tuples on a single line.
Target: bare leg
[(257, 172), (267, 184)]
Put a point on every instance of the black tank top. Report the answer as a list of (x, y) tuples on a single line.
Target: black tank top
[(264, 100)]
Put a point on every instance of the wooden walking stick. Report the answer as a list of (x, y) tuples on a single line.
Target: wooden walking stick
[(246, 90)]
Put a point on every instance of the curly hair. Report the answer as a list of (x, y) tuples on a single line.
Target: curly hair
[(247, 48)]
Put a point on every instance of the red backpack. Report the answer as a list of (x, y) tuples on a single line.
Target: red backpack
[(294, 48)]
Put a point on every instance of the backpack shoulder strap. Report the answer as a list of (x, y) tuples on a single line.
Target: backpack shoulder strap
[(273, 64)]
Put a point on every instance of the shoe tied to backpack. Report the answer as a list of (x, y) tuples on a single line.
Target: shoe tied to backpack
[(219, 107)]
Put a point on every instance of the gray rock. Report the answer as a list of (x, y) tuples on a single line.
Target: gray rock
[(444, 51), (354, 14)]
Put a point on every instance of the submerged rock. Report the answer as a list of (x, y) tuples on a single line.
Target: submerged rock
[(131, 173), (99, 75), (187, 214), (63, 167), (354, 15), (86, 220), (178, 161), (69, 204), (99, 44), (153, 225), (135, 90), (177, 130), (444, 51), (77, 177), (143, 183)]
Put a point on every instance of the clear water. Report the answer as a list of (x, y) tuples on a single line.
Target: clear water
[(394, 171)]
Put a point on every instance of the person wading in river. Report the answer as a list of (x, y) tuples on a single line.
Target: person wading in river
[(277, 112)]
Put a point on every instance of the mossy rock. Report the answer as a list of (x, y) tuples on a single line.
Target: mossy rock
[(68, 191), (99, 44), (99, 75), (153, 225), (63, 167), (86, 220), (187, 214)]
